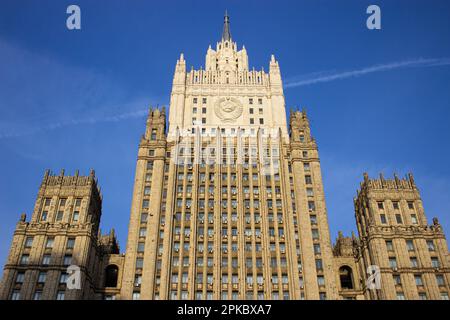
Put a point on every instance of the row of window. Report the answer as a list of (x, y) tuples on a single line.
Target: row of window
[(414, 263), (395, 205), (422, 296), (60, 213), (15, 295), (234, 279), (223, 131), (70, 244), (399, 218), (62, 202), (42, 278), (410, 245), (234, 262), (204, 100)]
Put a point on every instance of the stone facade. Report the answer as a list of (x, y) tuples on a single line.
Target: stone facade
[(228, 203), (63, 231), (395, 236)]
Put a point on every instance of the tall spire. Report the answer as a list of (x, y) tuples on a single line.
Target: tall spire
[(226, 34)]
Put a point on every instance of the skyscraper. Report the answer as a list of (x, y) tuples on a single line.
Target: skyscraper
[(232, 200), (228, 203)]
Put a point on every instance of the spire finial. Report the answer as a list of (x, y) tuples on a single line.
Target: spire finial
[(226, 34)]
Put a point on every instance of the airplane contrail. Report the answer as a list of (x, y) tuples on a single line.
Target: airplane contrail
[(416, 63)]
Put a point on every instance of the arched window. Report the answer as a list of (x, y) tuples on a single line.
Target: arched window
[(111, 273), (346, 277)]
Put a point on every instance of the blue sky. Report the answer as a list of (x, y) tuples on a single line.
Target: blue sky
[(378, 101)]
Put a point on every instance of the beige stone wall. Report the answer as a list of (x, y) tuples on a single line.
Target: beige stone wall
[(67, 207), (392, 225)]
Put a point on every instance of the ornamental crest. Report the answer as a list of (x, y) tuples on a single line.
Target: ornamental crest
[(228, 109)]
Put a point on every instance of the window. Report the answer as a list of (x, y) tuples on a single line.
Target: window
[(142, 232), (144, 217), (313, 219), (398, 218), (321, 280), (414, 263), (444, 296), (67, 260), (440, 280), (140, 247), (389, 245), (397, 279), (63, 278), (380, 205), (44, 215), (24, 259), (139, 263), (395, 205), (435, 262), (59, 215), (311, 206), (147, 191), (319, 264), (346, 277), (42, 277), (410, 245), (37, 295), (76, 216), (309, 192), (315, 234), (400, 296), (20, 277), (411, 205), (15, 295), (60, 295), (414, 219), (261, 121), (46, 259), (316, 248), (250, 101), (204, 100), (322, 296), (28, 242), (49, 243), (393, 262), (137, 295), (418, 279), (62, 202), (137, 280), (308, 179)]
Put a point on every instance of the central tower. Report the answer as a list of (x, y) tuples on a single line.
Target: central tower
[(228, 204), (226, 94)]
